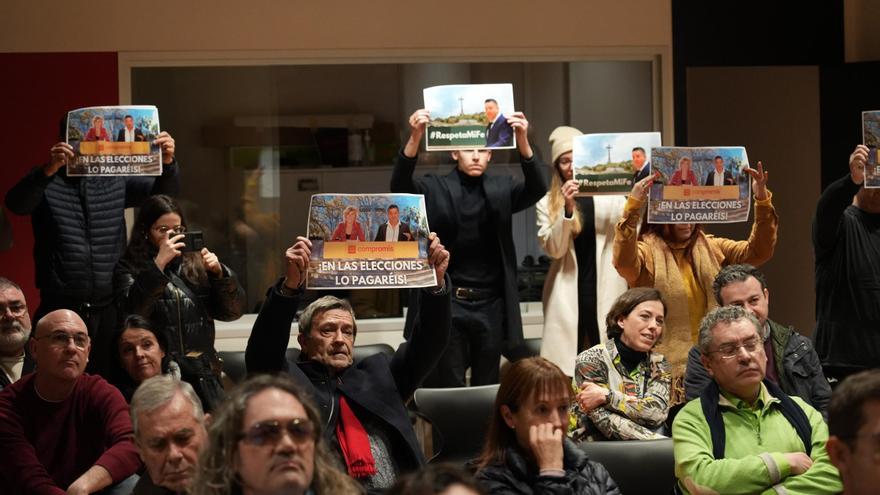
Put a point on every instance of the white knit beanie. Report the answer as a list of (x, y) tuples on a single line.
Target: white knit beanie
[(560, 140)]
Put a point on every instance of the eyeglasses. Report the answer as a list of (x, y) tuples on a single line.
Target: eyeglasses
[(164, 229), (62, 339), (15, 310), (269, 432), (730, 351)]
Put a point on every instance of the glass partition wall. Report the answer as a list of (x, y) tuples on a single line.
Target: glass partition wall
[(255, 142)]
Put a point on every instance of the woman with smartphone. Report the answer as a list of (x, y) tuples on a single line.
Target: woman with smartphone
[(182, 291)]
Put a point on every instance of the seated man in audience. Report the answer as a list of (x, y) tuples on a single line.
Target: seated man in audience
[(854, 429), (169, 432), (361, 404), (266, 438), (744, 434), (15, 328), (62, 430), (792, 363)]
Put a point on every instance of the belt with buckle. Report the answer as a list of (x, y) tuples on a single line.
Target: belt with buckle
[(468, 294)]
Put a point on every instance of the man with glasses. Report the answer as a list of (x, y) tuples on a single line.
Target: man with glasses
[(361, 403), (60, 429), (266, 439), (792, 362), (744, 434), (15, 329), (854, 428)]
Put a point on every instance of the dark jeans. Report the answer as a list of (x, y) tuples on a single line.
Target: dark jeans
[(475, 342)]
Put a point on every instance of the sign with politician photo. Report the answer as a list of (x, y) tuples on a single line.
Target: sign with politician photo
[(114, 140), (699, 185), (608, 163), (469, 116), (368, 241)]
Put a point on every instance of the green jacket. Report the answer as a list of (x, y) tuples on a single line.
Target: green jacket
[(756, 439)]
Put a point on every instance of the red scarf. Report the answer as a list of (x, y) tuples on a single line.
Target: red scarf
[(354, 442)]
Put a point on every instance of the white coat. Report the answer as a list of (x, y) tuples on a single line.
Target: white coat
[(560, 297)]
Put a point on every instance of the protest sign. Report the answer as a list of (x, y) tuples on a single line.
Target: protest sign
[(368, 241), (871, 139), (115, 140), (699, 185), (607, 163), (469, 116)]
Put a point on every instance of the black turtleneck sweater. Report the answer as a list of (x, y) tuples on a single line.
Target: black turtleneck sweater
[(629, 358), (476, 260)]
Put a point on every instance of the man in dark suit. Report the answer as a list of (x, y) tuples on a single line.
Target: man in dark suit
[(15, 329), (498, 133), (641, 166), (472, 212), (398, 231), (356, 399), (719, 176), (129, 134)]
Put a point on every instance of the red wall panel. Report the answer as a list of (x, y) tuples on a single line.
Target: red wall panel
[(37, 90)]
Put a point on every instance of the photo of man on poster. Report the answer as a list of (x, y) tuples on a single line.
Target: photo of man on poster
[(718, 176), (498, 132), (393, 230), (129, 133)]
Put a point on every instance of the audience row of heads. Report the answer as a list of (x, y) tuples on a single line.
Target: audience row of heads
[(266, 438)]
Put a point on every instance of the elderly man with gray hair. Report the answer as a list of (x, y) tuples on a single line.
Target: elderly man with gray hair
[(361, 403), (744, 434), (169, 432)]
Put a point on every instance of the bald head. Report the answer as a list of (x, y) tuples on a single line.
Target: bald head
[(61, 346), (60, 317)]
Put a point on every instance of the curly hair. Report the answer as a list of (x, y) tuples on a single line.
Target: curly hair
[(216, 475)]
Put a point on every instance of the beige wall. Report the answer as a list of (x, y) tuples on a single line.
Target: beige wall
[(329, 25), (774, 113)]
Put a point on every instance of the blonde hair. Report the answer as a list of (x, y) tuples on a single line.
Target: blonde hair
[(556, 203)]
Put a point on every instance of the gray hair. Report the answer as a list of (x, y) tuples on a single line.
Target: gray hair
[(5, 283), (322, 305), (155, 392), (724, 314), (736, 273)]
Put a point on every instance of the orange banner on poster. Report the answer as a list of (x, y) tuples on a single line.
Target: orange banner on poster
[(114, 148), (346, 250), (684, 193)]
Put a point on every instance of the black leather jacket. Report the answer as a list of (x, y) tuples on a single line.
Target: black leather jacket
[(520, 476), (184, 311)]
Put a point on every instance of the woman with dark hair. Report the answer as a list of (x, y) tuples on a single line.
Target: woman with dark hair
[(267, 438), (681, 262), (526, 449), (181, 292), (139, 353), (623, 385)]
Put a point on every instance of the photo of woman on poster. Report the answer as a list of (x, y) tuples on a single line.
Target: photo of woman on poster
[(684, 176), (97, 132), (350, 229)]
